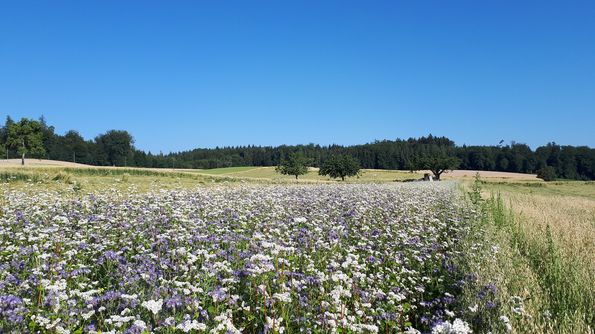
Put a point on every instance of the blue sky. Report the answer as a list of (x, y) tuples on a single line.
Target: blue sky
[(186, 74)]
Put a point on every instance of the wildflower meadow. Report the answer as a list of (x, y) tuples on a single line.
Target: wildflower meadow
[(349, 258)]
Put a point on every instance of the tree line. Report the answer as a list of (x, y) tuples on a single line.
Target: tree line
[(37, 139)]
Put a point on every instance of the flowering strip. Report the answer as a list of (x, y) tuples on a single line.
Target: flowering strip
[(272, 259)]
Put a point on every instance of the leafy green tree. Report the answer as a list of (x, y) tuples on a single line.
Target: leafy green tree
[(295, 164), (48, 136), (547, 173), (437, 164), (114, 148), (4, 136), (340, 166), (75, 146), (26, 136)]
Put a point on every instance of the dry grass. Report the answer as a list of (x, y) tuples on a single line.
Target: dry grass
[(546, 236), (490, 175), (268, 173), (39, 163), (571, 220)]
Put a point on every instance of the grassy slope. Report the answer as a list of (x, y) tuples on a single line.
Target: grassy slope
[(98, 179), (86, 178), (367, 175)]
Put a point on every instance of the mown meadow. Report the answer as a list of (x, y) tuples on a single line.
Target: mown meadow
[(143, 251)]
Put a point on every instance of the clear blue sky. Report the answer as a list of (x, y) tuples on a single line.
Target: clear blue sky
[(186, 74)]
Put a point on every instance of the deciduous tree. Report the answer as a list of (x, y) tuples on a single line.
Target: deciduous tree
[(295, 164), (26, 137), (114, 147), (437, 164), (340, 166)]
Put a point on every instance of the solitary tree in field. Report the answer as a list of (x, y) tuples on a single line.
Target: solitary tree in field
[(26, 137), (437, 164), (340, 166), (295, 164)]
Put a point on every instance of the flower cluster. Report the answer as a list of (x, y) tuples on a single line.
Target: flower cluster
[(250, 258)]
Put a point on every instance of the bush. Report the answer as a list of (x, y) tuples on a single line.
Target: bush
[(547, 173)]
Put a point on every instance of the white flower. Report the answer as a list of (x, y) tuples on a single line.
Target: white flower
[(140, 324), (170, 321), (61, 330), (88, 315), (518, 310), (53, 324), (283, 297), (364, 328), (225, 324), (153, 305), (411, 330), (275, 324), (506, 322), (188, 325), (456, 327)]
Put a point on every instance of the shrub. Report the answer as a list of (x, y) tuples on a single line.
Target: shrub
[(547, 173)]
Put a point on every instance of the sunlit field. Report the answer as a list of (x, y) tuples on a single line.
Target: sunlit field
[(108, 250), (268, 173), (546, 235), (359, 258)]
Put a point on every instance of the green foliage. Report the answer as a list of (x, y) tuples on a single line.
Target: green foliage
[(437, 163), (115, 147), (295, 164), (340, 166), (475, 193), (547, 173), (18, 176), (26, 136), (125, 171)]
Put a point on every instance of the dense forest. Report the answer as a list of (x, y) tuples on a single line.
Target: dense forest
[(36, 139)]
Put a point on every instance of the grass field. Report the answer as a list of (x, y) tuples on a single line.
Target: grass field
[(527, 261), (584, 189), (99, 177), (225, 171), (268, 173), (545, 264)]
